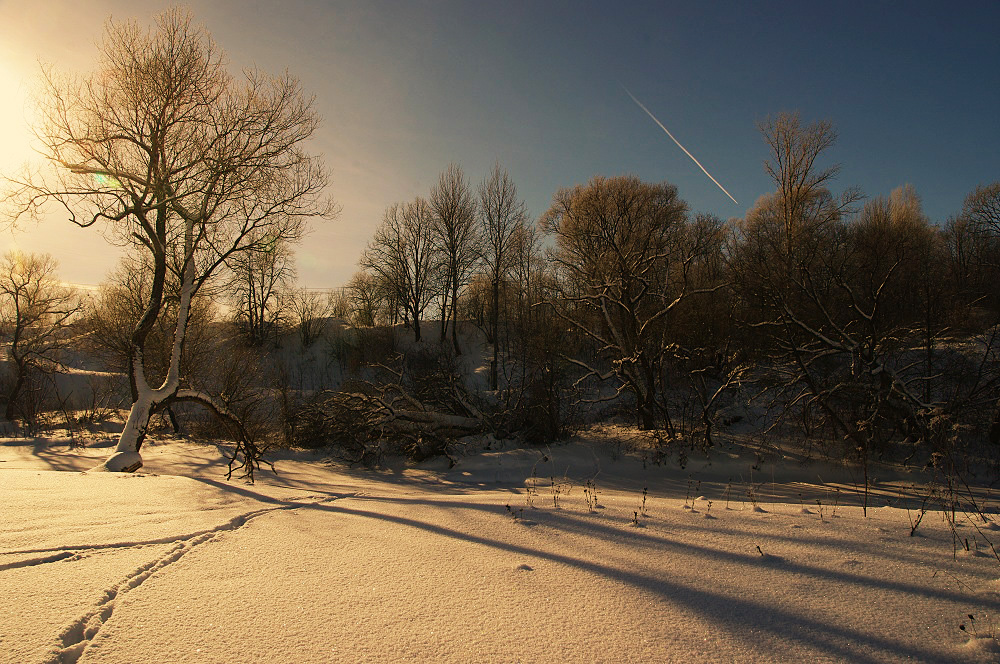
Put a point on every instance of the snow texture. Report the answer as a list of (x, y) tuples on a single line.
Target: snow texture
[(325, 564)]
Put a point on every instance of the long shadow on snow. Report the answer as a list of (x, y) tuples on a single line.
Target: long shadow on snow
[(740, 613), (832, 541), (53, 451), (743, 613), (585, 524)]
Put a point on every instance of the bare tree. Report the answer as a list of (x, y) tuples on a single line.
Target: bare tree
[(310, 309), (110, 317), (535, 342), (175, 156), (527, 269), (845, 298), (258, 283), (982, 207), (802, 201), (502, 215), (34, 312), (402, 257), (625, 254), (367, 299), (339, 304), (456, 237), (976, 233), (786, 232)]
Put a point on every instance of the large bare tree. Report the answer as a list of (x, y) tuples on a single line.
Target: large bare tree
[(503, 215), (625, 253), (456, 238), (402, 258), (169, 152)]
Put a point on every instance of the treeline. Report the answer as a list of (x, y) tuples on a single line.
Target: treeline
[(857, 320), (848, 322)]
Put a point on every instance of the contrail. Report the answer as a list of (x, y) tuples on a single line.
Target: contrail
[(680, 146)]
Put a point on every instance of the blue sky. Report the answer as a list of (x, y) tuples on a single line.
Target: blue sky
[(405, 88)]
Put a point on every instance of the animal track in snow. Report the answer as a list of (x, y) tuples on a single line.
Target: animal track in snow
[(75, 638)]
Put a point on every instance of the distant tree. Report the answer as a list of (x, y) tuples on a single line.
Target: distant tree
[(310, 309), (535, 341), (979, 223), (528, 271), (109, 319), (972, 266), (339, 304), (456, 237), (35, 309), (402, 258), (624, 252), (982, 208), (474, 305), (175, 156), (891, 243), (502, 216), (786, 233), (258, 285), (367, 299)]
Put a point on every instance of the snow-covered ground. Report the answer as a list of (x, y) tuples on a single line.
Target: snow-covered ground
[(326, 564)]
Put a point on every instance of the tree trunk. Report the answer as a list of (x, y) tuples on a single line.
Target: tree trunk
[(15, 391), (995, 426), (444, 315), (454, 315), (929, 347), (646, 414), (495, 325), (174, 424), (646, 399), (126, 456)]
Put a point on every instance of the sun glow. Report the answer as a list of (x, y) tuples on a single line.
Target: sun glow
[(15, 136)]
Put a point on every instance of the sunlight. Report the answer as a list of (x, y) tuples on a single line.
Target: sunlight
[(15, 136)]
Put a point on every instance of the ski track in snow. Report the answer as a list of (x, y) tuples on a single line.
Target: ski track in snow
[(77, 636)]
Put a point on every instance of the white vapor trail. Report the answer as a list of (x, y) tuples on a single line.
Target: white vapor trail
[(680, 146)]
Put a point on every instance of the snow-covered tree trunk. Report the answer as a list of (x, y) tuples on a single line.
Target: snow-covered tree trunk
[(126, 457)]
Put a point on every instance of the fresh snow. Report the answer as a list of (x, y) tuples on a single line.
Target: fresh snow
[(465, 564)]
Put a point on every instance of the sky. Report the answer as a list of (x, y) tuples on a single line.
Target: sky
[(405, 88)]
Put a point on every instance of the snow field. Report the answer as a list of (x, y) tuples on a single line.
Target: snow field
[(320, 564)]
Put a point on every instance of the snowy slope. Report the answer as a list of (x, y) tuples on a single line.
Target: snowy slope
[(416, 564)]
